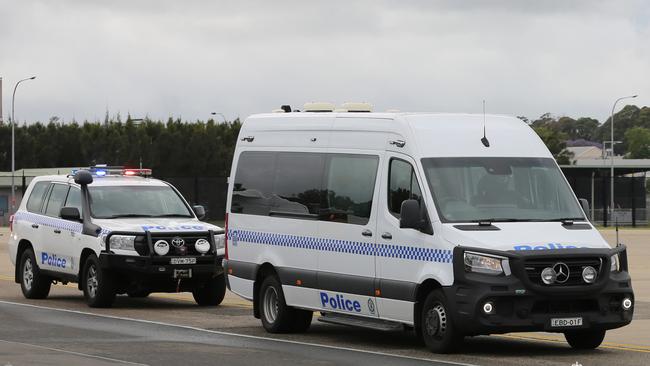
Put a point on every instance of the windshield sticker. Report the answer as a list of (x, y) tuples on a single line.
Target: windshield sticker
[(546, 246), (172, 228)]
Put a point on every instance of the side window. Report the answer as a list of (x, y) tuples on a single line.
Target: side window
[(350, 184), (56, 199), (298, 184), (402, 185), (35, 201), (253, 187), (74, 198)]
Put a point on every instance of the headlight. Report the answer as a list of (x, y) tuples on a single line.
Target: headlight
[(220, 241), (486, 264), (614, 261), (123, 242), (202, 246)]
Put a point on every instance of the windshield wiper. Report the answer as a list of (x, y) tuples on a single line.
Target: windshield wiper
[(125, 215), (171, 215), (489, 221), (565, 220)]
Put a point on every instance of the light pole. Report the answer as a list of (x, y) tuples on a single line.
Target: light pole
[(221, 114), (13, 145), (138, 122), (611, 171)]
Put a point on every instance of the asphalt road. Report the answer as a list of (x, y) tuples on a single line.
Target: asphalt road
[(169, 329)]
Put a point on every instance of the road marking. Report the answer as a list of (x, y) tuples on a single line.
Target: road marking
[(317, 345), (617, 346), (74, 353)]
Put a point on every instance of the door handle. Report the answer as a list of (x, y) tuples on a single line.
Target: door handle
[(366, 233), (35, 226), (386, 236), (57, 231)]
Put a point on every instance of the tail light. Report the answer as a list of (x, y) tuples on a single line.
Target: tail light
[(225, 237), (11, 223)]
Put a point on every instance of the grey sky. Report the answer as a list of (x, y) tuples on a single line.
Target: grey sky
[(188, 58)]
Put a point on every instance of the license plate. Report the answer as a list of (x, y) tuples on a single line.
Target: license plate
[(566, 322), (183, 261), (183, 273)]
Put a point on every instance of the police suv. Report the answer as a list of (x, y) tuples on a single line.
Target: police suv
[(114, 231), (449, 224)]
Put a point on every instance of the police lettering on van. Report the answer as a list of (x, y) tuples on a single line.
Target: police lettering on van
[(114, 230), (413, 221)]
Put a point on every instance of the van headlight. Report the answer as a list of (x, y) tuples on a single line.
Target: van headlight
[(486, 264), (615, 264), (122, 242), (220, 241)]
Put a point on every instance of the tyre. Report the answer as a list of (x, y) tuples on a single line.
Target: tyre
[(585, 339), (276, 316), (33, 283), (138, 294), (301, 320), (437, 327), (98, 284), (211, 293)]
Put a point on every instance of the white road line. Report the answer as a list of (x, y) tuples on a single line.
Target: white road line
[(74, 353), (239, 335)]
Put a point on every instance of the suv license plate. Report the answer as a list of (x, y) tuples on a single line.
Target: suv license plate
[(566, 322), (183, 273), (183, 261)]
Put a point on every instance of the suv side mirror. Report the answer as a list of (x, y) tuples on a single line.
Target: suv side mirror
[(70, 213), (83, 177), (410, 215), (585, 205), (199, 211)]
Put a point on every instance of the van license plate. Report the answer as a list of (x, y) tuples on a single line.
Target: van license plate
[(183, 273), (566, 322), (183, 261)]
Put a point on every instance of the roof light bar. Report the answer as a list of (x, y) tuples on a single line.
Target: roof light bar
[(113, 171)]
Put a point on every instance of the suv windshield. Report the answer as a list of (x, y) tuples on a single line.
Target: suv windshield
[(500, 189), (108, 202)]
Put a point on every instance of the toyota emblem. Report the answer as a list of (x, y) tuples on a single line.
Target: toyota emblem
[(562, 272), (178, 242)]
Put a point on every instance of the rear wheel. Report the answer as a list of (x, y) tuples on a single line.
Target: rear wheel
[(276, 316), (437, 326), (33, 283), (585, 339), (98, 284), (212, 292)]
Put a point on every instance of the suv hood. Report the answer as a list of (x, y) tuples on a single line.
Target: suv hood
[(525, 236), (155, 225)]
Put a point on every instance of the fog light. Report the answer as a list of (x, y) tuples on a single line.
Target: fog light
[(488, 308), (202, 246), (161, 247), (627, 304), (589, 274), (548, 275)]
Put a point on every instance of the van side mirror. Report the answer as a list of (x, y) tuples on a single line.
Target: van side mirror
[(585, 205), (83, 177), (199, 211), (70, 213), (410, 215)]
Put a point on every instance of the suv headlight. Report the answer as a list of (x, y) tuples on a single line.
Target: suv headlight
[(615, 265), (122, 242), (220, 241), (486, 264)]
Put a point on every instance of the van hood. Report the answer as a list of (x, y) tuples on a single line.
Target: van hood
[(155, 225), (525, 236)]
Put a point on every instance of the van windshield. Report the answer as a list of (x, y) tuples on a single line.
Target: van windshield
[(110, 202), (472, 189)]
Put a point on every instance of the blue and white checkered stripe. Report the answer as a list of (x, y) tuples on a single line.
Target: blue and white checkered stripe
[(48, 221), (340, 246)]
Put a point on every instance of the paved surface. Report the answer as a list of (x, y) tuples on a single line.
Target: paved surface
[(191, 334)]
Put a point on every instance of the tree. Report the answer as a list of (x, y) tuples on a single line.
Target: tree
[(556, 143), (638, 142)]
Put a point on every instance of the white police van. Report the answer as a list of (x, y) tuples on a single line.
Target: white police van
[(114, 231), (416, 221)]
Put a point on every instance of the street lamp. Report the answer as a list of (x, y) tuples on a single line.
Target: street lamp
[(221, 114), (138, 122), (13, 146), (611, 171)]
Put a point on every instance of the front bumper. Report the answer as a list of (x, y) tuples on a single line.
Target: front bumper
[(523, 305)]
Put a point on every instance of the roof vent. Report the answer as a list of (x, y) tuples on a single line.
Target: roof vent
[(357, 107), (318, 107)]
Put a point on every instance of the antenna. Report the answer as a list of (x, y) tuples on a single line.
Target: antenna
[(484, 139), (617, 242)]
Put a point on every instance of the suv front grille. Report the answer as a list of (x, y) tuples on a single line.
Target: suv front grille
[(534, 268)]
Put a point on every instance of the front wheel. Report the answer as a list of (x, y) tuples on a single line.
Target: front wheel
[(33, 283), (97, 283), (212, 292), (437, 326), (585, 339)]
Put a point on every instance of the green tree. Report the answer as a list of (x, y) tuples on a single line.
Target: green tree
[(555, 141), (638, 141)]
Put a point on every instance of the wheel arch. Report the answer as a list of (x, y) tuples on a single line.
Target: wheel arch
[(23, 244), (85, 253), (421, 293), (266, 269)]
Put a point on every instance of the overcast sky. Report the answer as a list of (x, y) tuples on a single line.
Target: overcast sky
[(186, 59)]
